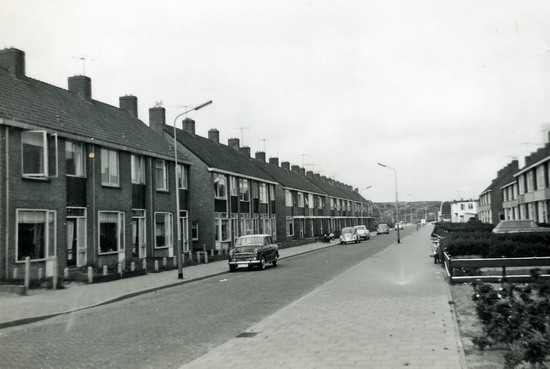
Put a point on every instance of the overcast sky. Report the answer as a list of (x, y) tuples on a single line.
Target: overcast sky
[(445, 92)]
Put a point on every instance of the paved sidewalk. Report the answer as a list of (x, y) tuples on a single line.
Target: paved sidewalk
[(390, 311), (40, 303)]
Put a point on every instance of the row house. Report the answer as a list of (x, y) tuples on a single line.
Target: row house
[(231, 195), (82, 183), (463, 210), (529, 196), (302, 204), (492, 198)]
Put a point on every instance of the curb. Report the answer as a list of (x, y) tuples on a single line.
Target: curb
[(23, 321)]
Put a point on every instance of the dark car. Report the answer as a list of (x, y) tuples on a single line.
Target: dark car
[(383, 228), (253, 250), (519, 226)]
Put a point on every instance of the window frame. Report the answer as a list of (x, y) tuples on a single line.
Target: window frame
[(121, 234), (244, 190), (163, 181), (106, 155), (183, 182), (168, 228), (49, 214), (263, 193), (75, 154), (137, 162), (44, 149), (220, 186)]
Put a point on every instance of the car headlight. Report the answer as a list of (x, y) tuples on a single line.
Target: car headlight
[(231, 252)]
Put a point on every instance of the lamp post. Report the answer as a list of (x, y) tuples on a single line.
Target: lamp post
[(396, 202), (179, 246), (365, 188)]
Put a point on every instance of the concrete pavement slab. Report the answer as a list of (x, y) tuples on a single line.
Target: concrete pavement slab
[(390, 311)]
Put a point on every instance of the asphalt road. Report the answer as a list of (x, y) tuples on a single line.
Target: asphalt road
[(173, 326)]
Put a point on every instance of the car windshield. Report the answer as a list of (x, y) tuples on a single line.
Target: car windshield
[(360, 228), (518, 224), (347, 230), (247, 241)]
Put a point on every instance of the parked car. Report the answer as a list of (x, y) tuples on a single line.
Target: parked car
[(349, 234), (518, 226), (383, 228), (253, 250), (363, 232), (400, 225)]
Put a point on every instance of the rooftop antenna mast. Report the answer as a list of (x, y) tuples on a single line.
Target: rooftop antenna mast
[(242, 131), (83, 60), (264, 140)]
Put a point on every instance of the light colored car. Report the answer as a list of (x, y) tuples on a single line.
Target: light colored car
[(253, 250), (519, 226), (383, 228), (363, 232), (349, 235), (400, 225)]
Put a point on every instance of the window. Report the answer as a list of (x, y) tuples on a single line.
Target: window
[(254, 186), (109, 168), (111, 232), (195, 231), (223, 233), (263, 193), (244, 193), (300, 200), (320, 202), (220, 186), (35, 154), (233, 186), (138, 169), (74, 159), (288, 198), (541, 182), (471, 206), (247, 225), (461, 206), (163, 230), (182, 177), (332, 204), (272, 192), (161, 175), (530, 181), (289, 226), (36, 235)]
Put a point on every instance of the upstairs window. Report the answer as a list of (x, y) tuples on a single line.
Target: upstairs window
[(233, 186), (244, 190), (109, 168), (35, 154), (530, 181), (138, 169), (75, 162), (182, 177), (300, 200), (541, 182), (220, 186), (263, 193), (288, 198), (161, 175), (272, 192)]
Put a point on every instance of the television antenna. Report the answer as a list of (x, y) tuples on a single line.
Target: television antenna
[(241, 128), (83, 60)]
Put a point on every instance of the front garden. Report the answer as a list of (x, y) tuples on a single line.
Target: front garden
[(504, 324)]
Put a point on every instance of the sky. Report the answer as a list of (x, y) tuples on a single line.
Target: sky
[(445, 92)]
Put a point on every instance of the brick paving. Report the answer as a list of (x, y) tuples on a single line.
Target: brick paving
[(390, 311), (16, 310)]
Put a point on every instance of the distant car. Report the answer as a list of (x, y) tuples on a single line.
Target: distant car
[(253, 250), (519, 226), (383, 228), (349, 234), (400, 225), (363, 232)]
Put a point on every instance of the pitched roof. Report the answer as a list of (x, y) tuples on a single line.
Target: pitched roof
[(26, 101), (329, 188), (288, 178), (219, 156)]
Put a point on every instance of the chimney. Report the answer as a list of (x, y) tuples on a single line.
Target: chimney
[(214, 135), (356, 190), (324, 178), (286, 165), (274, 161), (296, 168), (82, 86), (245, 150), (302, 171), (233, 143), (157, 119), (309, 174), (260, 155), (188, 125), (129, 103), (317, 176), (13, 60)]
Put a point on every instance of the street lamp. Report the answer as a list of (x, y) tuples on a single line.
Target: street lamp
[(396, 201), (367, 205), (179, 246)]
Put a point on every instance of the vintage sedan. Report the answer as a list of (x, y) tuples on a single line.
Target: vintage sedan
[(519, 226), (253, 250), (349, 234), (363, 232), (383, 228)]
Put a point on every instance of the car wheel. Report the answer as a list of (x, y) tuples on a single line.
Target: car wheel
[(262, 263), (274, 262), (232, 268)]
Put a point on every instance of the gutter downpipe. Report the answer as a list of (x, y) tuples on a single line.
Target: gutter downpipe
[(7, 201)]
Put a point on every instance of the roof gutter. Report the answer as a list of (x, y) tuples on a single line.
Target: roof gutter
[(217, 170)]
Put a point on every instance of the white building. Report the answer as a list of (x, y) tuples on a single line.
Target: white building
[(463, 210)]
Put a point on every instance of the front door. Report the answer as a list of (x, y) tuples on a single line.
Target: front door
[(72, 241), (76, 238), (138, 235)]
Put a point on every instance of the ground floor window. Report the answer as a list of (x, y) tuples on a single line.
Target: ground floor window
[(111, 232), (289, 226), (223, 229), (247, 225), (163, 230), (36, 236)]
